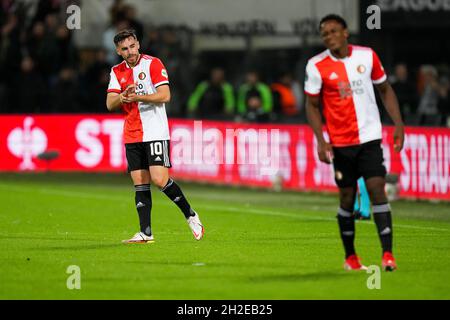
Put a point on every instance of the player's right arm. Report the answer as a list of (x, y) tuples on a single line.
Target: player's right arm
[(114, 101), (313, 87), (314, 116), (116, 97)]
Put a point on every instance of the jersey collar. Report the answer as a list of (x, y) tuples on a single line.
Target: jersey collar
[(350, 50)]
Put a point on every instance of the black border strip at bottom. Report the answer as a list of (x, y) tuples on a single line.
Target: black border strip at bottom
[(220, 309)]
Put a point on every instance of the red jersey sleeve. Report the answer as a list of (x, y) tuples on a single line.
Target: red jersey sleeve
[(158, 73), (114, 85), (378, 75)]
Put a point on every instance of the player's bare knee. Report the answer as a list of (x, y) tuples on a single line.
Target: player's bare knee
[(140, 178), (375, 188), (346, 201), (159, 181), (347, 198), (378, 197), (377, 194)]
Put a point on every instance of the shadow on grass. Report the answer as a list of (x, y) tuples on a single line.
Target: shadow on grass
[(301, 277), (77, 247), (31, 237), (194, 264)]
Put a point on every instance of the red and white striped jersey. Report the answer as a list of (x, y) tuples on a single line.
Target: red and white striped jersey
[(346, 90), (143, 121)]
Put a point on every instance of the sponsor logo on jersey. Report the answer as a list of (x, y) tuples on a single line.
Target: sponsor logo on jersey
[(348, 89), (345, 89), (164, 73), (333, 76)]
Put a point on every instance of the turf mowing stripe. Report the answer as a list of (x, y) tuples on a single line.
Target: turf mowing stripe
[(282, 214), (223, 208)]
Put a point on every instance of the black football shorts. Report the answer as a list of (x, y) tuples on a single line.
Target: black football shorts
[(351, 163), (142, 155)]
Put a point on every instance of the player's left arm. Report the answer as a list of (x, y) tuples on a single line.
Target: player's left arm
[(390, 103), (162, 95)]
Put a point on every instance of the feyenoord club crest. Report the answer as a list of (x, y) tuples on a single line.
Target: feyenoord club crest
[(141, 76), (361, 68)]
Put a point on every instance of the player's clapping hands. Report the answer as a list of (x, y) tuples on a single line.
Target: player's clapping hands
[(129, 95)]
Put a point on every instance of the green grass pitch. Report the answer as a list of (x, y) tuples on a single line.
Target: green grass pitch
[(258, 244)]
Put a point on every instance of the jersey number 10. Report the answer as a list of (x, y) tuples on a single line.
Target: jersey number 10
[(156, 148)]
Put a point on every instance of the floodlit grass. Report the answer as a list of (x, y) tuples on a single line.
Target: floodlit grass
[(258, 244)]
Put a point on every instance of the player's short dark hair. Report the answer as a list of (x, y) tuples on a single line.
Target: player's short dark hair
[(333, 17), (124, 34)]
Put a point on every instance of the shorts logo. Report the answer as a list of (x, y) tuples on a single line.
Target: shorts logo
[(361, 68), (164, 73), (339, 175), (142, 76)]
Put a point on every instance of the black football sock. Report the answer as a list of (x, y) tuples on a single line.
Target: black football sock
[(383, 220), (143, 200), (346, 222), (173, 191)]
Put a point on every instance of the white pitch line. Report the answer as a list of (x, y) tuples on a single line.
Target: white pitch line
[(296, 216), (209, 207), (312, 200), (262, 212)]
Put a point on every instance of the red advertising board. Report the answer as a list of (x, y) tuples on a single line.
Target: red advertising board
[(264, 155)]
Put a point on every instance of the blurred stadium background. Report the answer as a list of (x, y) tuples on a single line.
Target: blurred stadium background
[(53, 118), (66, 71), (48, 70)]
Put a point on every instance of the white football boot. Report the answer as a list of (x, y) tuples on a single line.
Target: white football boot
[(140, 237), (196, 226)]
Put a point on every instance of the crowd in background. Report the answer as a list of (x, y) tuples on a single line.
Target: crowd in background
[(43, 72)]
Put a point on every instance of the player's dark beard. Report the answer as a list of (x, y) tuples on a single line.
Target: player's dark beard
[(131, 57)]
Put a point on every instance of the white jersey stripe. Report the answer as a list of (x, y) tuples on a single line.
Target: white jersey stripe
[(369, 124), (153, 115), (161, 83)]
